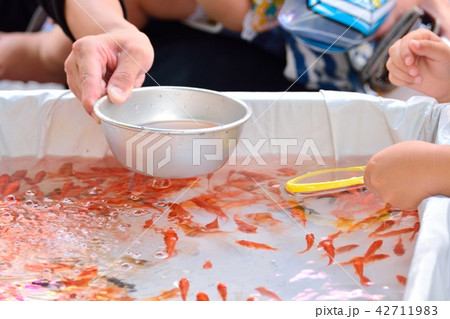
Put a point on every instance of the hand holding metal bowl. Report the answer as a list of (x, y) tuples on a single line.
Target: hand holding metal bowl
[(173, 132)]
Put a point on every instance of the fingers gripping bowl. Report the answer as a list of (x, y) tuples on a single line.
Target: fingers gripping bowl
[(173, 132)]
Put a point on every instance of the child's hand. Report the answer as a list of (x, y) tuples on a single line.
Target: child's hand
[(404, 174), (421, 61)]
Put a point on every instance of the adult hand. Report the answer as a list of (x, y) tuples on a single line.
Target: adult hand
[(421, 61), (404, 174), (111, 63)]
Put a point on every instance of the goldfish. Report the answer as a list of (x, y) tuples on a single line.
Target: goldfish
[(252, 244), (213, 225), (211, 208), (384, 226), (376, 257), (268, 293), (309, 243), (401, 279), (148, 223), (65, 170), (83, 279), (358, 264), (287, 171), (4, 180), (399, 249), (39, 177), (243, 226), (373, 248), (299, 211), (416, 228), (327, 245), (166, 294), (18, 175), (329, 249), (184, 287), (201, 296), (207, 265), (262, 218), (395, 232), (170, 239), (10, 188), (346, 248), (222, 291)]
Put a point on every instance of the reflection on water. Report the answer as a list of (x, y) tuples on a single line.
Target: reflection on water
[(73, 229)]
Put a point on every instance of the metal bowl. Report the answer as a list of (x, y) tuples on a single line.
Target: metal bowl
[(173, 132)]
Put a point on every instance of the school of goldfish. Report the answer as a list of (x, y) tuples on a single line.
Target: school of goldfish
[(63, 231)]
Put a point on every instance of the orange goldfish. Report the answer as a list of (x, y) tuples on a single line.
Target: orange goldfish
[(18, 175), (415, 230), (243, 226), (329, 249), (213, 225), (395, 232), (170, 239), (401, 279), (346, 248), (207, 265), (287, 171), (384, 226), (83, 279), (184, 288), (252, 244), (211, 208), (166, 294), (309, 243), (373, 248), (222, 291), (399, 249), (358, 264), (266, 292), (201, 296), (10, 188), (299, 211)]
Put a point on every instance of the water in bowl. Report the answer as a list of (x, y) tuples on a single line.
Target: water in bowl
[(180, 124)]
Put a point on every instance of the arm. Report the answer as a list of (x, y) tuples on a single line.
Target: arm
[(111, 56), (421, 61), (406, 173), (230, 13)]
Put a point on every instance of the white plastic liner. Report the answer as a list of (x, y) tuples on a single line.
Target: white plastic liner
[(53, 122)]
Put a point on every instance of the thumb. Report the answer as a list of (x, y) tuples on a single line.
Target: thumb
[(123, 79)]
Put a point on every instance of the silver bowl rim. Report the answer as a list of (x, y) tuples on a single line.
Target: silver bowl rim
[(218, 128)]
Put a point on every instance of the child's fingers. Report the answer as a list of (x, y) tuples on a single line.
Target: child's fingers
[(434, 50), (400, 78), (399, 75)]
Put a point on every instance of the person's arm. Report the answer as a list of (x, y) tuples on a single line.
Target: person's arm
[(230, 13), (406, 173), (56, 10), (111, 56), (421, 61)]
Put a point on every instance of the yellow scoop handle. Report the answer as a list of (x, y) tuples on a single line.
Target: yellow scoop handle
[(294, 186)]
